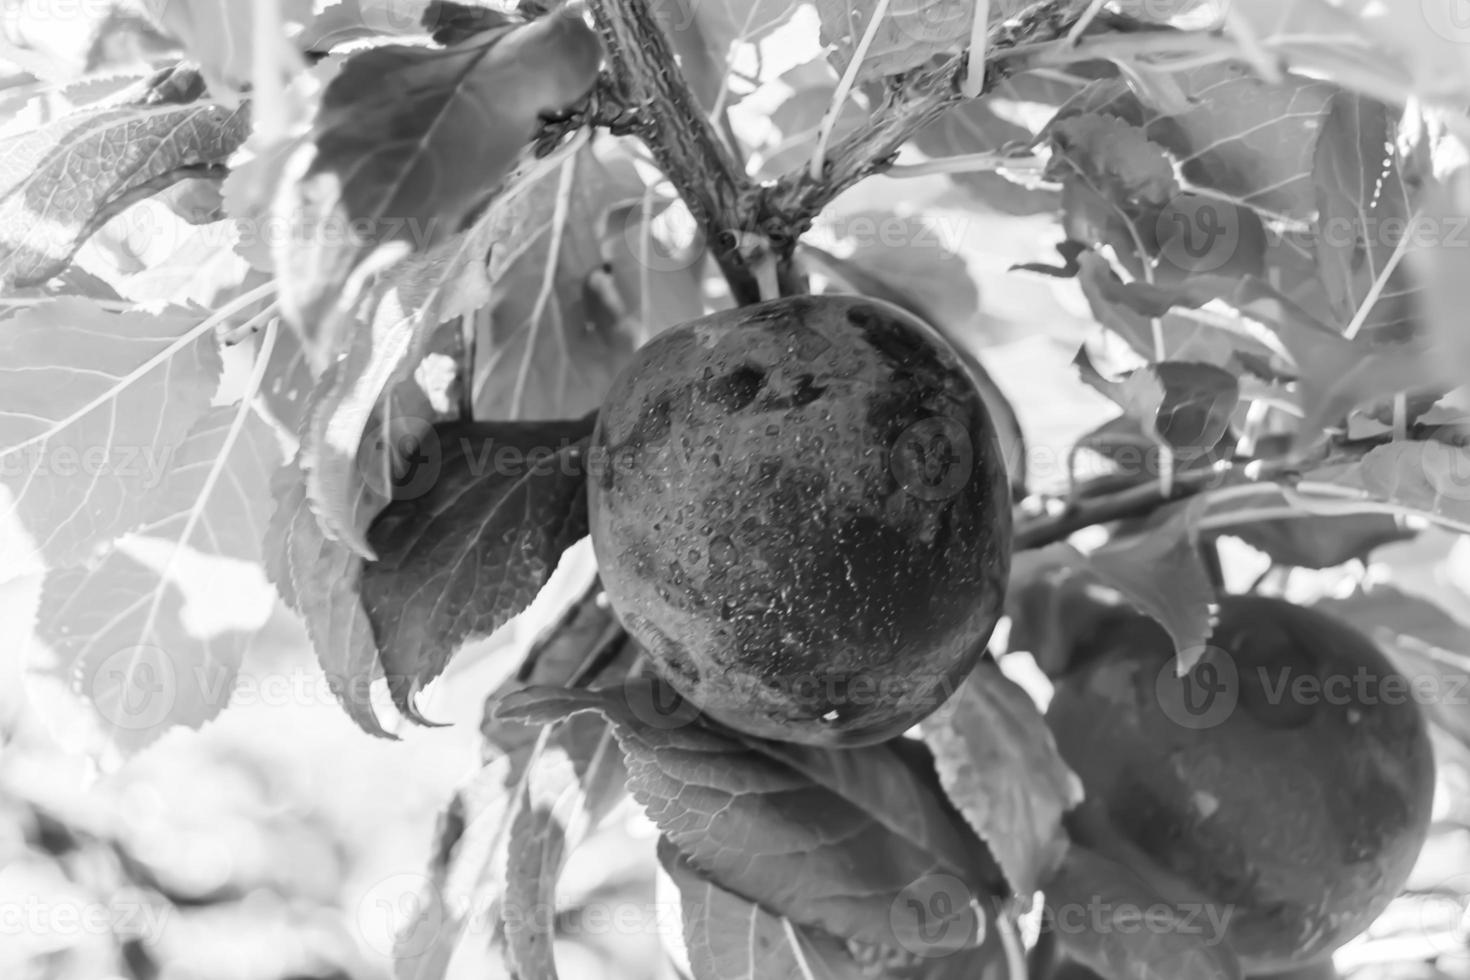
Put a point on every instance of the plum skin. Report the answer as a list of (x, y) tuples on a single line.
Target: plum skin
[(1303, 813), (801, 510)]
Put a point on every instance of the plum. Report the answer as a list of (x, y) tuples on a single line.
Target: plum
[(801, 510), (1286, 777)]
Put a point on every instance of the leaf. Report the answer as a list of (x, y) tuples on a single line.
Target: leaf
[(1181, 404), (1250, 139), (586, 647), (320, 579), (726, 22), (1143, 936), (547, 354), (466, 873), (218, 486), (571, 788), (410, 144), (494, 506), (340, 22), (1115, 184), (1058, 593), (370, 393), (987, 126), (63, 181), (999, 763), (1321, 541), (731, 938), (93, 406), (1361, 197), (1158, 571), (220, 35), (120, 632), (912, 32), (829, 838), (1429, 478), (1430, 646)]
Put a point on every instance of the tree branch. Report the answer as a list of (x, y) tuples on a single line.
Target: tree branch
[(671, 123), (910, 103)]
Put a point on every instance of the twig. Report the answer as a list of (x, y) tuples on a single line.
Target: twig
[(671, 123)]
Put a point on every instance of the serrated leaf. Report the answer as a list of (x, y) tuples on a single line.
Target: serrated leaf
[(119, 634), (455, 121), (1000, 765), (1425, 642), (571, 788), (93, 406), (1155, 569), (732, 938), (218, 486), (1158, 571), (829, 838), (494, 506), (1144, 936), (320, 579), (61, 182)]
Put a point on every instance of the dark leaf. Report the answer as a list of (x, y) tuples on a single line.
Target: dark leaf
[(828, 838), (1181, 404), (473, 535), (410, 143)]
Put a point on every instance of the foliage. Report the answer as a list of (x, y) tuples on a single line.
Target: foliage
[(327, 298)]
